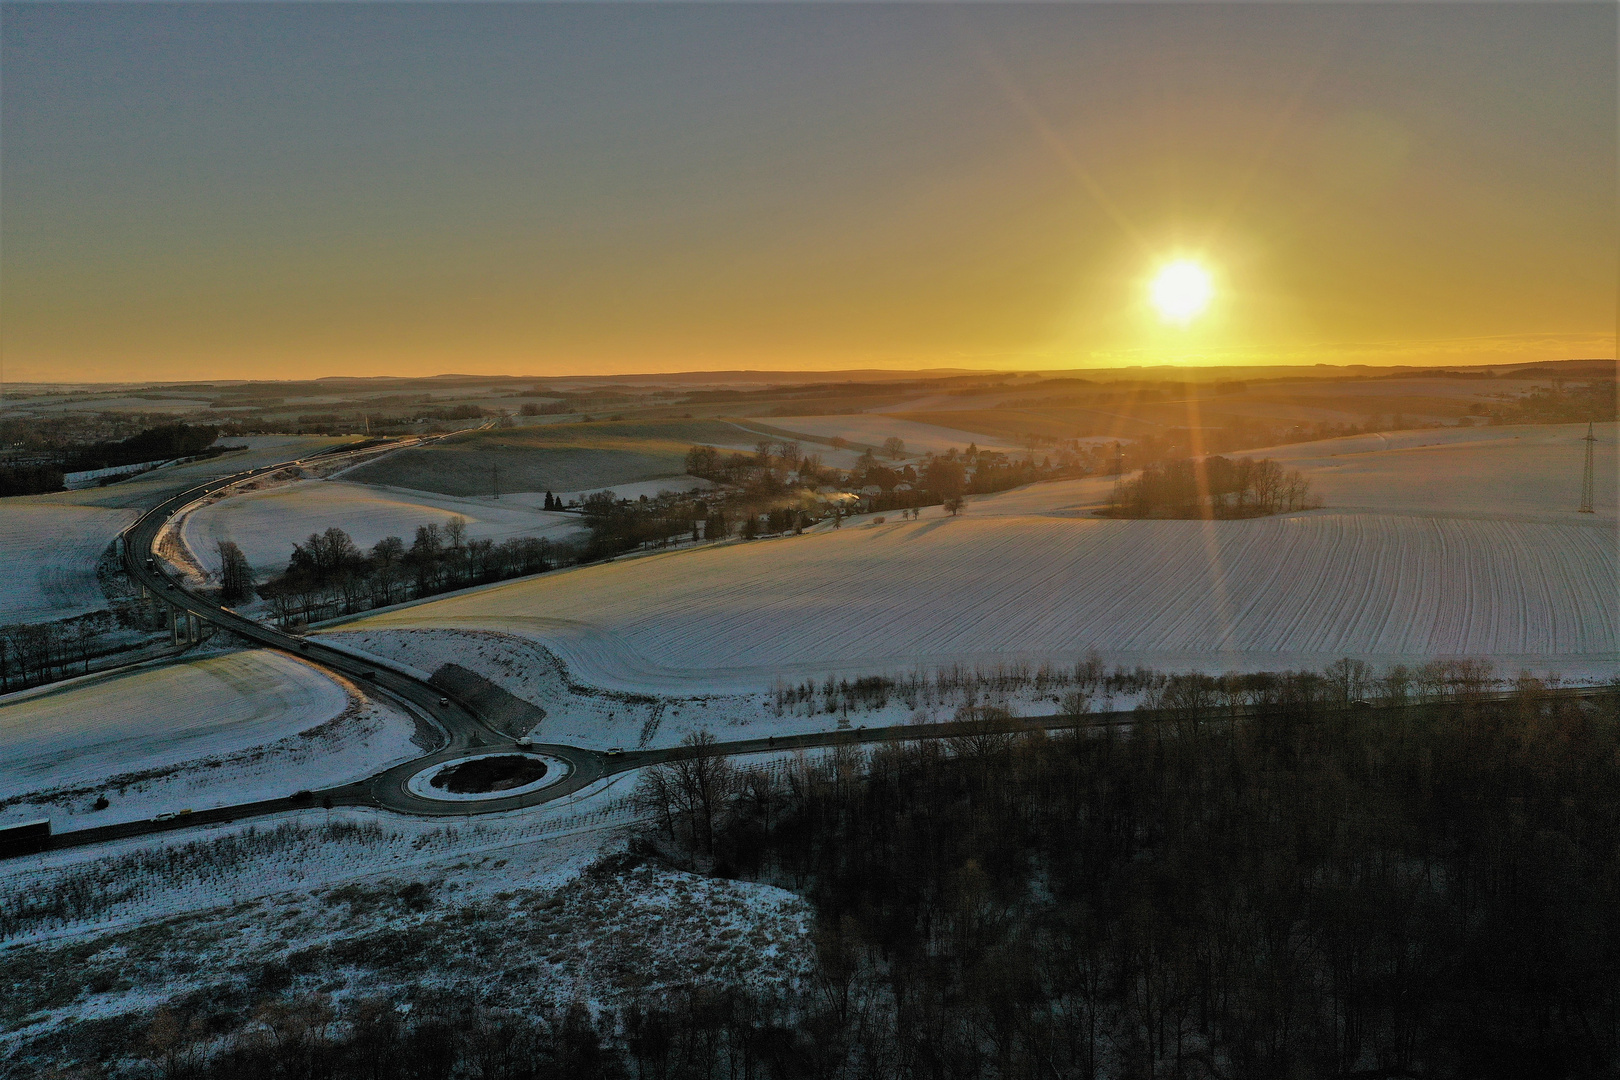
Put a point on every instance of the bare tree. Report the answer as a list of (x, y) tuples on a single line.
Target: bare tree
[(235, 575), (1349, 679), (707, 777)]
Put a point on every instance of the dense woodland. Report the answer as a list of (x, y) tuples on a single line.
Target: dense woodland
[(162, 443), (1424, 890), (1419, 891), (29, 479)]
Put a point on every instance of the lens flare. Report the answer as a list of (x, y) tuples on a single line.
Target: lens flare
[(1181, 291)]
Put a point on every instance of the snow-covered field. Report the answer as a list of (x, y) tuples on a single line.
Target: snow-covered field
[(223, 729), (579, 715), (649, 488), (1503, 471), (1284, 592), (49, 544), (266, 523), (48, 554), (386, 844), (151, 488), (1522, 472)]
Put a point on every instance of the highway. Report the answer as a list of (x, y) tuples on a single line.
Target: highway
[(462, 731)]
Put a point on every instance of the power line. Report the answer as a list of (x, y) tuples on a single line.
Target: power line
[(1586, 478)]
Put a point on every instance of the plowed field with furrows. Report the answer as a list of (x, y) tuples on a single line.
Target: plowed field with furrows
[(48, 555), (1298, 590)]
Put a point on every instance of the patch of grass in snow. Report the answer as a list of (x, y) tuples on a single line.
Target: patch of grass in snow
[(621, 929)]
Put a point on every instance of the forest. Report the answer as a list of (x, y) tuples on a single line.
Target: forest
[(29, 479), (1425, 890), (159, 443)]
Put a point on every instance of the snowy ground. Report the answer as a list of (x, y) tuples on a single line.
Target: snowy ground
[(1520, 471), (266, 523), (585, 715), (149, 489), (1465, 544), (1290, 591), (649, 488), (870, 429), (508, 911), (48, 554), (749, 437), (1509, 473), (222, 729)]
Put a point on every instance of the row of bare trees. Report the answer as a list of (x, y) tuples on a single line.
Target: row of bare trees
[(35, 653), (1342, 683), (328, 574)]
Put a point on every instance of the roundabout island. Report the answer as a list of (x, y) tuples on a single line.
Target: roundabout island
[(502, 774)]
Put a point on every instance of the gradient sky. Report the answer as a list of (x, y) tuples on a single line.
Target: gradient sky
[(257, 190)]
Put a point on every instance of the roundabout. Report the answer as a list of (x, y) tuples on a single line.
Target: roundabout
[(501, 774)]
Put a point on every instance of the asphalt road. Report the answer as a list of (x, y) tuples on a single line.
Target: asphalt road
[(462, 730)]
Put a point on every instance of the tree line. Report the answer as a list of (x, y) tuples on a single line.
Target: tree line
[(161, 443), (35, 653), (32, 654), (771, 490), (329, 574), (1081, 688), (29, 479), (1211, 487)]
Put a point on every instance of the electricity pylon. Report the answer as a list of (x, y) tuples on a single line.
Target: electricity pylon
[(1586, 478)]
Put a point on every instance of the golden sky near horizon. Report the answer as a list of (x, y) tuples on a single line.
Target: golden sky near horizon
[(244, 191)]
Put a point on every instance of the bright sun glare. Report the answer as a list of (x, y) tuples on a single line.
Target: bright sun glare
[(1181, 290)]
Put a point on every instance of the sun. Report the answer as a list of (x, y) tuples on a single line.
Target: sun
[(1181, 291)]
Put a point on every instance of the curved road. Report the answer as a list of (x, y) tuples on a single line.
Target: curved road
[(462, 731)]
